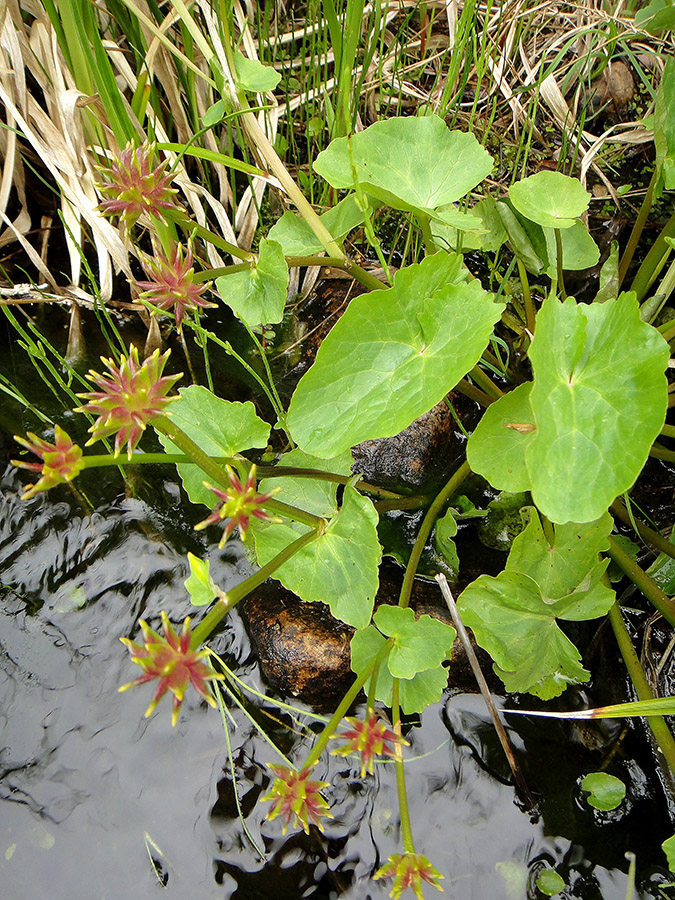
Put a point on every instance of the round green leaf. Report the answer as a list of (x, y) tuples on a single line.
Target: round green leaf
[(605, 791), (392, 356), (496, 449), (407, 162), (219, 427), (200, 586), (550, 199), (550, 883), (599, 400), (252, 75)]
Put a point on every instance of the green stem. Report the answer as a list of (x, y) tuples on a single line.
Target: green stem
[(657, 724), (653, 261), (649, 534), (406, 827), (559, 262), (656, 451), (322, 741), (484, 381), (215, 239), (660, 600), (638, 226), (428, 523), (527, 296), (474, 393), (216, 472), (225, 603)]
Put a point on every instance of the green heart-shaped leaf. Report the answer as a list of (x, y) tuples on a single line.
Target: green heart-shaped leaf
[(257, 296), (599, 385), (605, 791), (392, 356)]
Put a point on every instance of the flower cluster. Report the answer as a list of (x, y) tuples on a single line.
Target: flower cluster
[(130, 396), (239, 503), (61, 461), (297, 798), (172, 285), (134, 188), (369, 738), (409, 870), (171, 660)]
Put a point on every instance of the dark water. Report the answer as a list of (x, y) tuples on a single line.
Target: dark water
[(90, 790)]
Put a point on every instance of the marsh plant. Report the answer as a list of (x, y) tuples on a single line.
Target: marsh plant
[(566, 433)]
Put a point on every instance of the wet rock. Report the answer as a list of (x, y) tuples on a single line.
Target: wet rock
[(304, 652), (423, 455)]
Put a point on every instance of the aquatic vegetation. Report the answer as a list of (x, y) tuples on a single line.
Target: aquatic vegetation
[(575, 397)]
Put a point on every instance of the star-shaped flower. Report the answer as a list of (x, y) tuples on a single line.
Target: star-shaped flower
[(135, 188), (369, 738), (61, 461), (171, 660), (130, 396), (239, 503), (409, 870), (172, 286), (297, 798)]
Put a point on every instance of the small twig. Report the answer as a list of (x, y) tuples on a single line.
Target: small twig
[(485, 690)]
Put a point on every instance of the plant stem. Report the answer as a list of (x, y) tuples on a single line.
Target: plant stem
[(527, 296), (224, 604), (638, 226), (559, 262), (653, 261), (330, 729), (428, 523), (473, 393), (660, 600), (657, 724), (654, 537), (406, 827), (486, 383)]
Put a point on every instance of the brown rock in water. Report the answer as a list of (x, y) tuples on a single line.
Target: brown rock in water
[(304, 652), (425, 453)]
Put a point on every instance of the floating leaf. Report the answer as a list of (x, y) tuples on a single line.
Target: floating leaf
[(199, 585), (392, 356), (407, 162), (496, 449), (415, 694), (340, 567), (599, 385), (419, 644), (258, 295), (219, 427), (511, 621), (550, 883), (605, 791), (550, 199), (252, 75)]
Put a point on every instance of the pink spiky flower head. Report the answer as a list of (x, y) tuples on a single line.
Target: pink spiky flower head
[(368, 738), (297, 798), (61, 461), (171, 660), (133, 188), (172, 285), (409, 870), (130, 396), (239, 503)]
